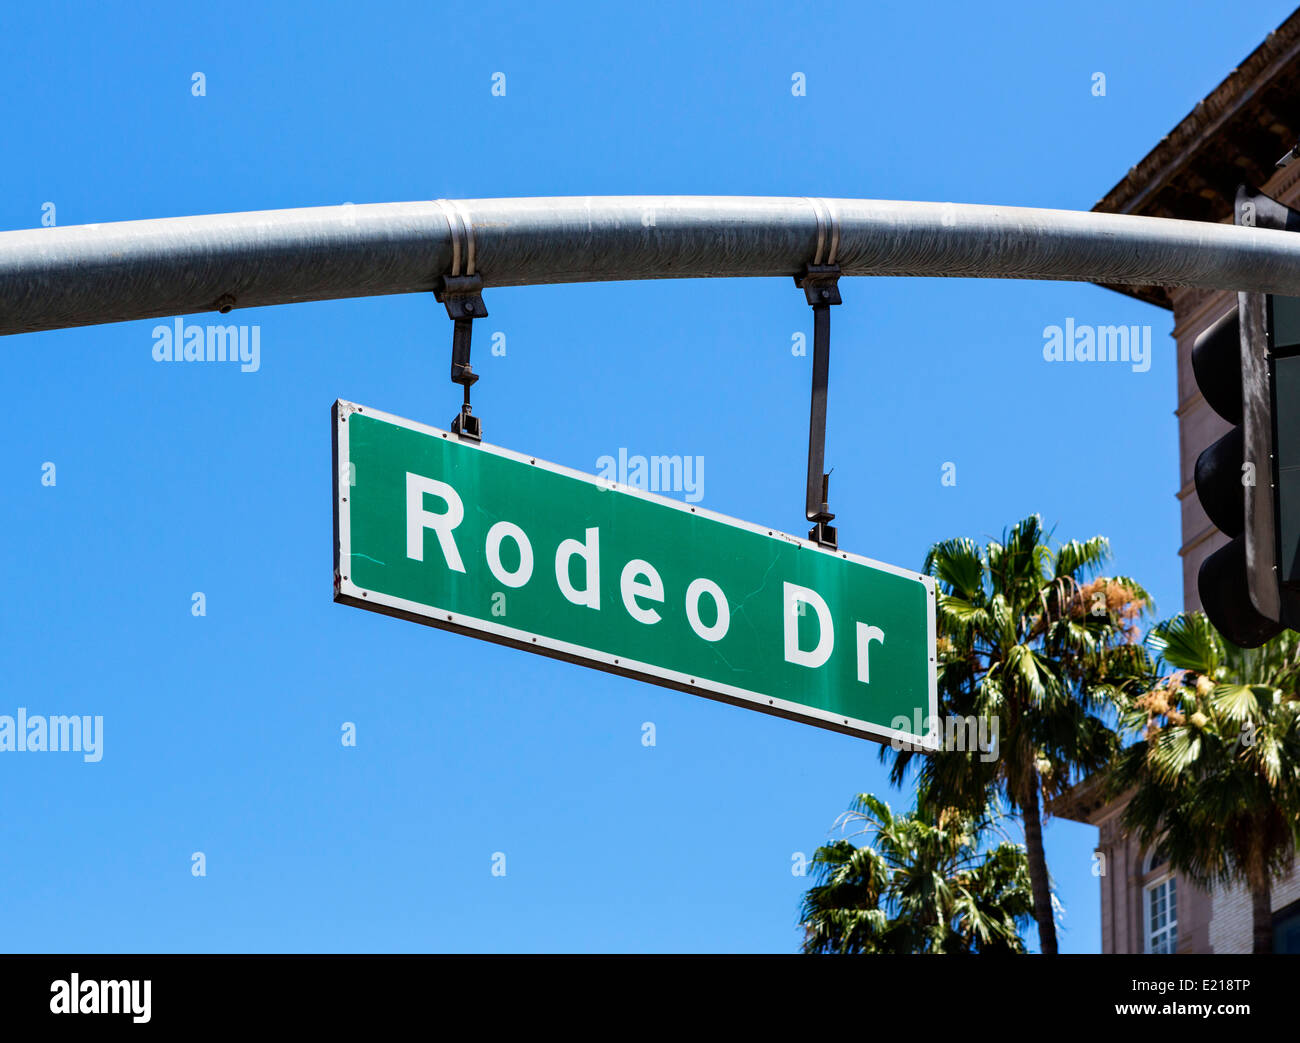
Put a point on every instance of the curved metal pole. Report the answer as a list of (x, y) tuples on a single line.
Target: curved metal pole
[(83, 275)]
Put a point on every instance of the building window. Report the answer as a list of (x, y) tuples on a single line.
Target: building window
[(1286, 929), (1160, 908)]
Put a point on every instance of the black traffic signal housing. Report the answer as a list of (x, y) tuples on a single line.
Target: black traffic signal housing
[(1247, 365)]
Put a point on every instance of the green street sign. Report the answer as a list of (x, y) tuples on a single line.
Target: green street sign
[(494, 544)]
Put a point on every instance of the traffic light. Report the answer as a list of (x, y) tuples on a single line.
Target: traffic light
[(1247, 366)]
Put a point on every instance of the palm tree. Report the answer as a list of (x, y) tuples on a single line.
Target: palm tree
[(1033, 639), (924, 882), (1215, 784)]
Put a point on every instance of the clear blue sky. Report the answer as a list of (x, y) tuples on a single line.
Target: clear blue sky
[(222, 733)]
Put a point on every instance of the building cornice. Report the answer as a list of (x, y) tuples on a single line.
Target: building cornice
[(1234, 135)]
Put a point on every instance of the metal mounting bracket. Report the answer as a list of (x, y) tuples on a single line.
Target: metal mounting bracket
[(463, 297), (820, 284)]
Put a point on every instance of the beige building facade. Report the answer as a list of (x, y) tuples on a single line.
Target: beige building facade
[(1233, 136)]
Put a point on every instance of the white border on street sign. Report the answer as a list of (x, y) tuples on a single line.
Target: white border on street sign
[(348, 593)]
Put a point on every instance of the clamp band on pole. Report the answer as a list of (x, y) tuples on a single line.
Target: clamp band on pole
[(820, 283), (463, 297)]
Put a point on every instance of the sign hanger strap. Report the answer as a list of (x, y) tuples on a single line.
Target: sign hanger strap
[(820, 283), (462, 294)]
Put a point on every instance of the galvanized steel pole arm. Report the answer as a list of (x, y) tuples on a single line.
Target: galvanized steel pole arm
[(83, 275)]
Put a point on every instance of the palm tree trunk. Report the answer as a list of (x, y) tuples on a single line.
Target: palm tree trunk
[(1261, 911), (1039, 881)]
